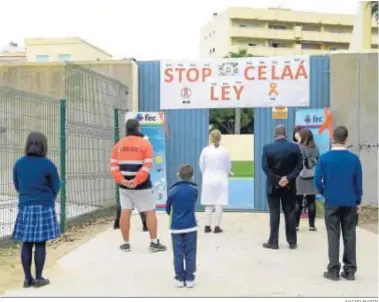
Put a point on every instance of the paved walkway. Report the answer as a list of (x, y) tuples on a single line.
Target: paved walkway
[(229, 264)]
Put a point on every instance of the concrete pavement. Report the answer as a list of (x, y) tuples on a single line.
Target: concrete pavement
[(229, 264)]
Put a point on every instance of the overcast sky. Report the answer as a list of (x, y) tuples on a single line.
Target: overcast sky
[(144, 29)]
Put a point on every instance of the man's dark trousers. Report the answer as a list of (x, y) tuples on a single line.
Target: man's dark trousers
[(184, 248), (288, 199), (345, 219)]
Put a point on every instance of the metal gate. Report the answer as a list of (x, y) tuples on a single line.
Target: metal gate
[(188, 129)]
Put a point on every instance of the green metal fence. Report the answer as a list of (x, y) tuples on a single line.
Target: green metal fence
[(92, 100), (21, 113), (81, 129)]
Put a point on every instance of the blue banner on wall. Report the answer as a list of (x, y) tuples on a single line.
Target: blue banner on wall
[(153, 129), (313, 119)]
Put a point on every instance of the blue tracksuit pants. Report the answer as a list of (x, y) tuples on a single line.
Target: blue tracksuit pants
[(184, 248)]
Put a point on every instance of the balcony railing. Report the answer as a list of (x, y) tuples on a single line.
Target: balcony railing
[(291, 35), (262, 33), (271, 51)]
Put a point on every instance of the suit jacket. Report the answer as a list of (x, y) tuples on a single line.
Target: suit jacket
[(281, 158)]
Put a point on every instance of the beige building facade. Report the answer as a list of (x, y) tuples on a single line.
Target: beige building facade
[(276, 31), (63, 49)]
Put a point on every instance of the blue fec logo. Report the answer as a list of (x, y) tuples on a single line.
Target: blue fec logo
[(139, 117)]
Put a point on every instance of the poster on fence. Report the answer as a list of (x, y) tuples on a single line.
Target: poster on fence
[(313, 119), (235, 83), (153, 129)]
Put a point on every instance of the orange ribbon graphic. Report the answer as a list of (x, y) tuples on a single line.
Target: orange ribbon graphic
[(162, 117), (273, 89), (327, 124)]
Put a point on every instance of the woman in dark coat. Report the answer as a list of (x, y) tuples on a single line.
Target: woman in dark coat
[(305, 188)]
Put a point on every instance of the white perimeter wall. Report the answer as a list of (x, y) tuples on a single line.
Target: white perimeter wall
[(241, 147)]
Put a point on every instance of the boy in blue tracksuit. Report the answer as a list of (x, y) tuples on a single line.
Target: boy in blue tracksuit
[(180, 206)]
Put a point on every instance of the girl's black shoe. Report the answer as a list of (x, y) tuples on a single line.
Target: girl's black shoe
[(28, 283), (41, 282)]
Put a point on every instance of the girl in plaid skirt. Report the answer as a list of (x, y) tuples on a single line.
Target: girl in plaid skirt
[(37, 182)]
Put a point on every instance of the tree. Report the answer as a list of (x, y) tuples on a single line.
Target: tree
[(224, 120), (374, 9), (242, 53)]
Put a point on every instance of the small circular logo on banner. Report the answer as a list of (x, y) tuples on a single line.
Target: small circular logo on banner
[(186, 92)]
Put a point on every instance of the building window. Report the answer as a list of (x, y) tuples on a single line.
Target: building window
[(310, 46), (281, 27), (251, 25), (309, 28), (213, 49), (333, 48), (64, 58), (42, 58), (277, 45), (337, 30), (252, 44)]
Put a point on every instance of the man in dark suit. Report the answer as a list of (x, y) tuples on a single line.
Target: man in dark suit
[(282, 163)]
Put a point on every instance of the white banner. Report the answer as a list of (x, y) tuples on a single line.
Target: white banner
[(235, 83), (129, 299)]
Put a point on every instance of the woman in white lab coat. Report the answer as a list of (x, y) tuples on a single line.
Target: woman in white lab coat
[(215, 167)]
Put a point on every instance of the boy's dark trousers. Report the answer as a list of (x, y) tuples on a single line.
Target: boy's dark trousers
[(343, 219), (184, 248)]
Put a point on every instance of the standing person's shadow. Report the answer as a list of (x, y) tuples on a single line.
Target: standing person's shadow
[(116, 224)]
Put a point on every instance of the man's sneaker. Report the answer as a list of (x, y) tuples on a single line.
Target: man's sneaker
[(190, 284), (157, 247), (179, 284), (348, 276), (125, 247)]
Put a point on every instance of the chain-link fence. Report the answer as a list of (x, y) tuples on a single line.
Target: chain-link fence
[(81, 130), (21, 113), (93, 105)]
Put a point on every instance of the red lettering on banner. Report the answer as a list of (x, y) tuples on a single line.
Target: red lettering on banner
[(238, 91), (247, 73), (224, 93), (193, 75), (262, 72), (287, 73), (181, 74), (274, 72), (301, 71)]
